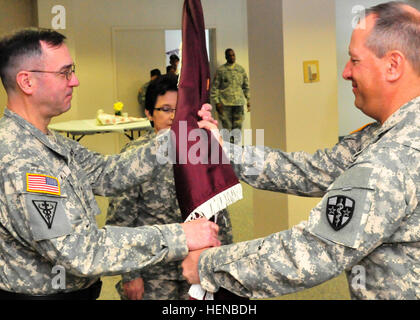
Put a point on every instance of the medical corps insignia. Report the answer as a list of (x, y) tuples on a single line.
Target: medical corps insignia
[(47, 210), (339, 211)]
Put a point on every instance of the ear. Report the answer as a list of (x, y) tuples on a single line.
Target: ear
[(25, 82), (395, 64), (148, 115)]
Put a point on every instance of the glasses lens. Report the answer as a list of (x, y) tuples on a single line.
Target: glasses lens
[(166, 109), (70, 71)]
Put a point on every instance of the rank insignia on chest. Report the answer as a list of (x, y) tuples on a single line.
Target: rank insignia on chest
[(339, 211), (47, 210), (42, 183)]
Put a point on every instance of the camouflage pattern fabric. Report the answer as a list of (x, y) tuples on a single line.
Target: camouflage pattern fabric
[(161, 290), (155, 202), (232, 117), (52, 223), (141, 98), (230, 86), (367, 223)]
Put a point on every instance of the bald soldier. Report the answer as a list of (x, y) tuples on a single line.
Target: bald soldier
[(48, 183), (369, 216)]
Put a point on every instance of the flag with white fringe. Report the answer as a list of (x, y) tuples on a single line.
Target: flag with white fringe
[(204, 179)]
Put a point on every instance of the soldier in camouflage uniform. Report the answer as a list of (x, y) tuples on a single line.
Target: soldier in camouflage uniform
[(230, 91), (51, 247), (368, 221), (141, 96), (154, 202)]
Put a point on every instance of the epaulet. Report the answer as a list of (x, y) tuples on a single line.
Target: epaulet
[(361, 128)]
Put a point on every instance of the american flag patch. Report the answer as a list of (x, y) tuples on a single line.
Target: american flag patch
[(42, 184)]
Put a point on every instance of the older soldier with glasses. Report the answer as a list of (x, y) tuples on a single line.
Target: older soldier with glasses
[(48, 183), (369, 216)]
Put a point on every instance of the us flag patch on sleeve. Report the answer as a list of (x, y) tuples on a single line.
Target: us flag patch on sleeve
[(42, 183)]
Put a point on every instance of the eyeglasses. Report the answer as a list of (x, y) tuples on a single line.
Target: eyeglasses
[(166, 109), (67, 73)]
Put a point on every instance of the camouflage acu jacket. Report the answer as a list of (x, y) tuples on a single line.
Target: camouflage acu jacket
[(230, 86), (155, 202), (47, 212), (367, 223)]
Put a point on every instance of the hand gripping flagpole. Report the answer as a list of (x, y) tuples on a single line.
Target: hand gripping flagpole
[(204, 179)]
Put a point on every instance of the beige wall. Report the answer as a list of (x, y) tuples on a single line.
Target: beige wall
[(15, 14), (311, 108), (295, 115)]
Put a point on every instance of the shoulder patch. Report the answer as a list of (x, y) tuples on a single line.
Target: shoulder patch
[(47, 216), (361, 128), (41, 183), (339, 211), (343, 211)]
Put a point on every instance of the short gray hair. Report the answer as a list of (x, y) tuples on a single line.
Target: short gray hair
[(395, 28)]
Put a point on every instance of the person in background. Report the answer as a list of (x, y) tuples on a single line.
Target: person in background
[(230, 91), (141, 96), (154, 202), (170, 70), (174, 62)]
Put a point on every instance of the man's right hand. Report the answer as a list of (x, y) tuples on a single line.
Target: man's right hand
[(201, 233)]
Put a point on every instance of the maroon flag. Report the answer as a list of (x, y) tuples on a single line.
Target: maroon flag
[(204, 179)]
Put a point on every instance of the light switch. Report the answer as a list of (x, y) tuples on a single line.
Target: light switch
[(311, 71)]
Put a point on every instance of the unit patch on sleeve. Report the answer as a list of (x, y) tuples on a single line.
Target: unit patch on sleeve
[(41, 183), (47, 210), (47, 215), (339, 211)]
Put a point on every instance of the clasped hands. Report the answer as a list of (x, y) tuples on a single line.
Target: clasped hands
[(190, 264)]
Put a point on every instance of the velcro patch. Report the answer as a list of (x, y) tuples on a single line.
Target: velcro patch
[(47, 216), (41, 183)]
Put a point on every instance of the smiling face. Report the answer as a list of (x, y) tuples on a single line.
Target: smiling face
[(366, 72), (53, 92)]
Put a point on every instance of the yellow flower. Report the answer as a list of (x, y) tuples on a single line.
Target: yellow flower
[(118, 106)]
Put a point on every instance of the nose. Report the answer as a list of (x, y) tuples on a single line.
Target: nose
[(347, 71), (74, 81)]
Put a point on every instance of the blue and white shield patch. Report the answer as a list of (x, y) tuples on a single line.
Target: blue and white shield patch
[(339, 211)]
